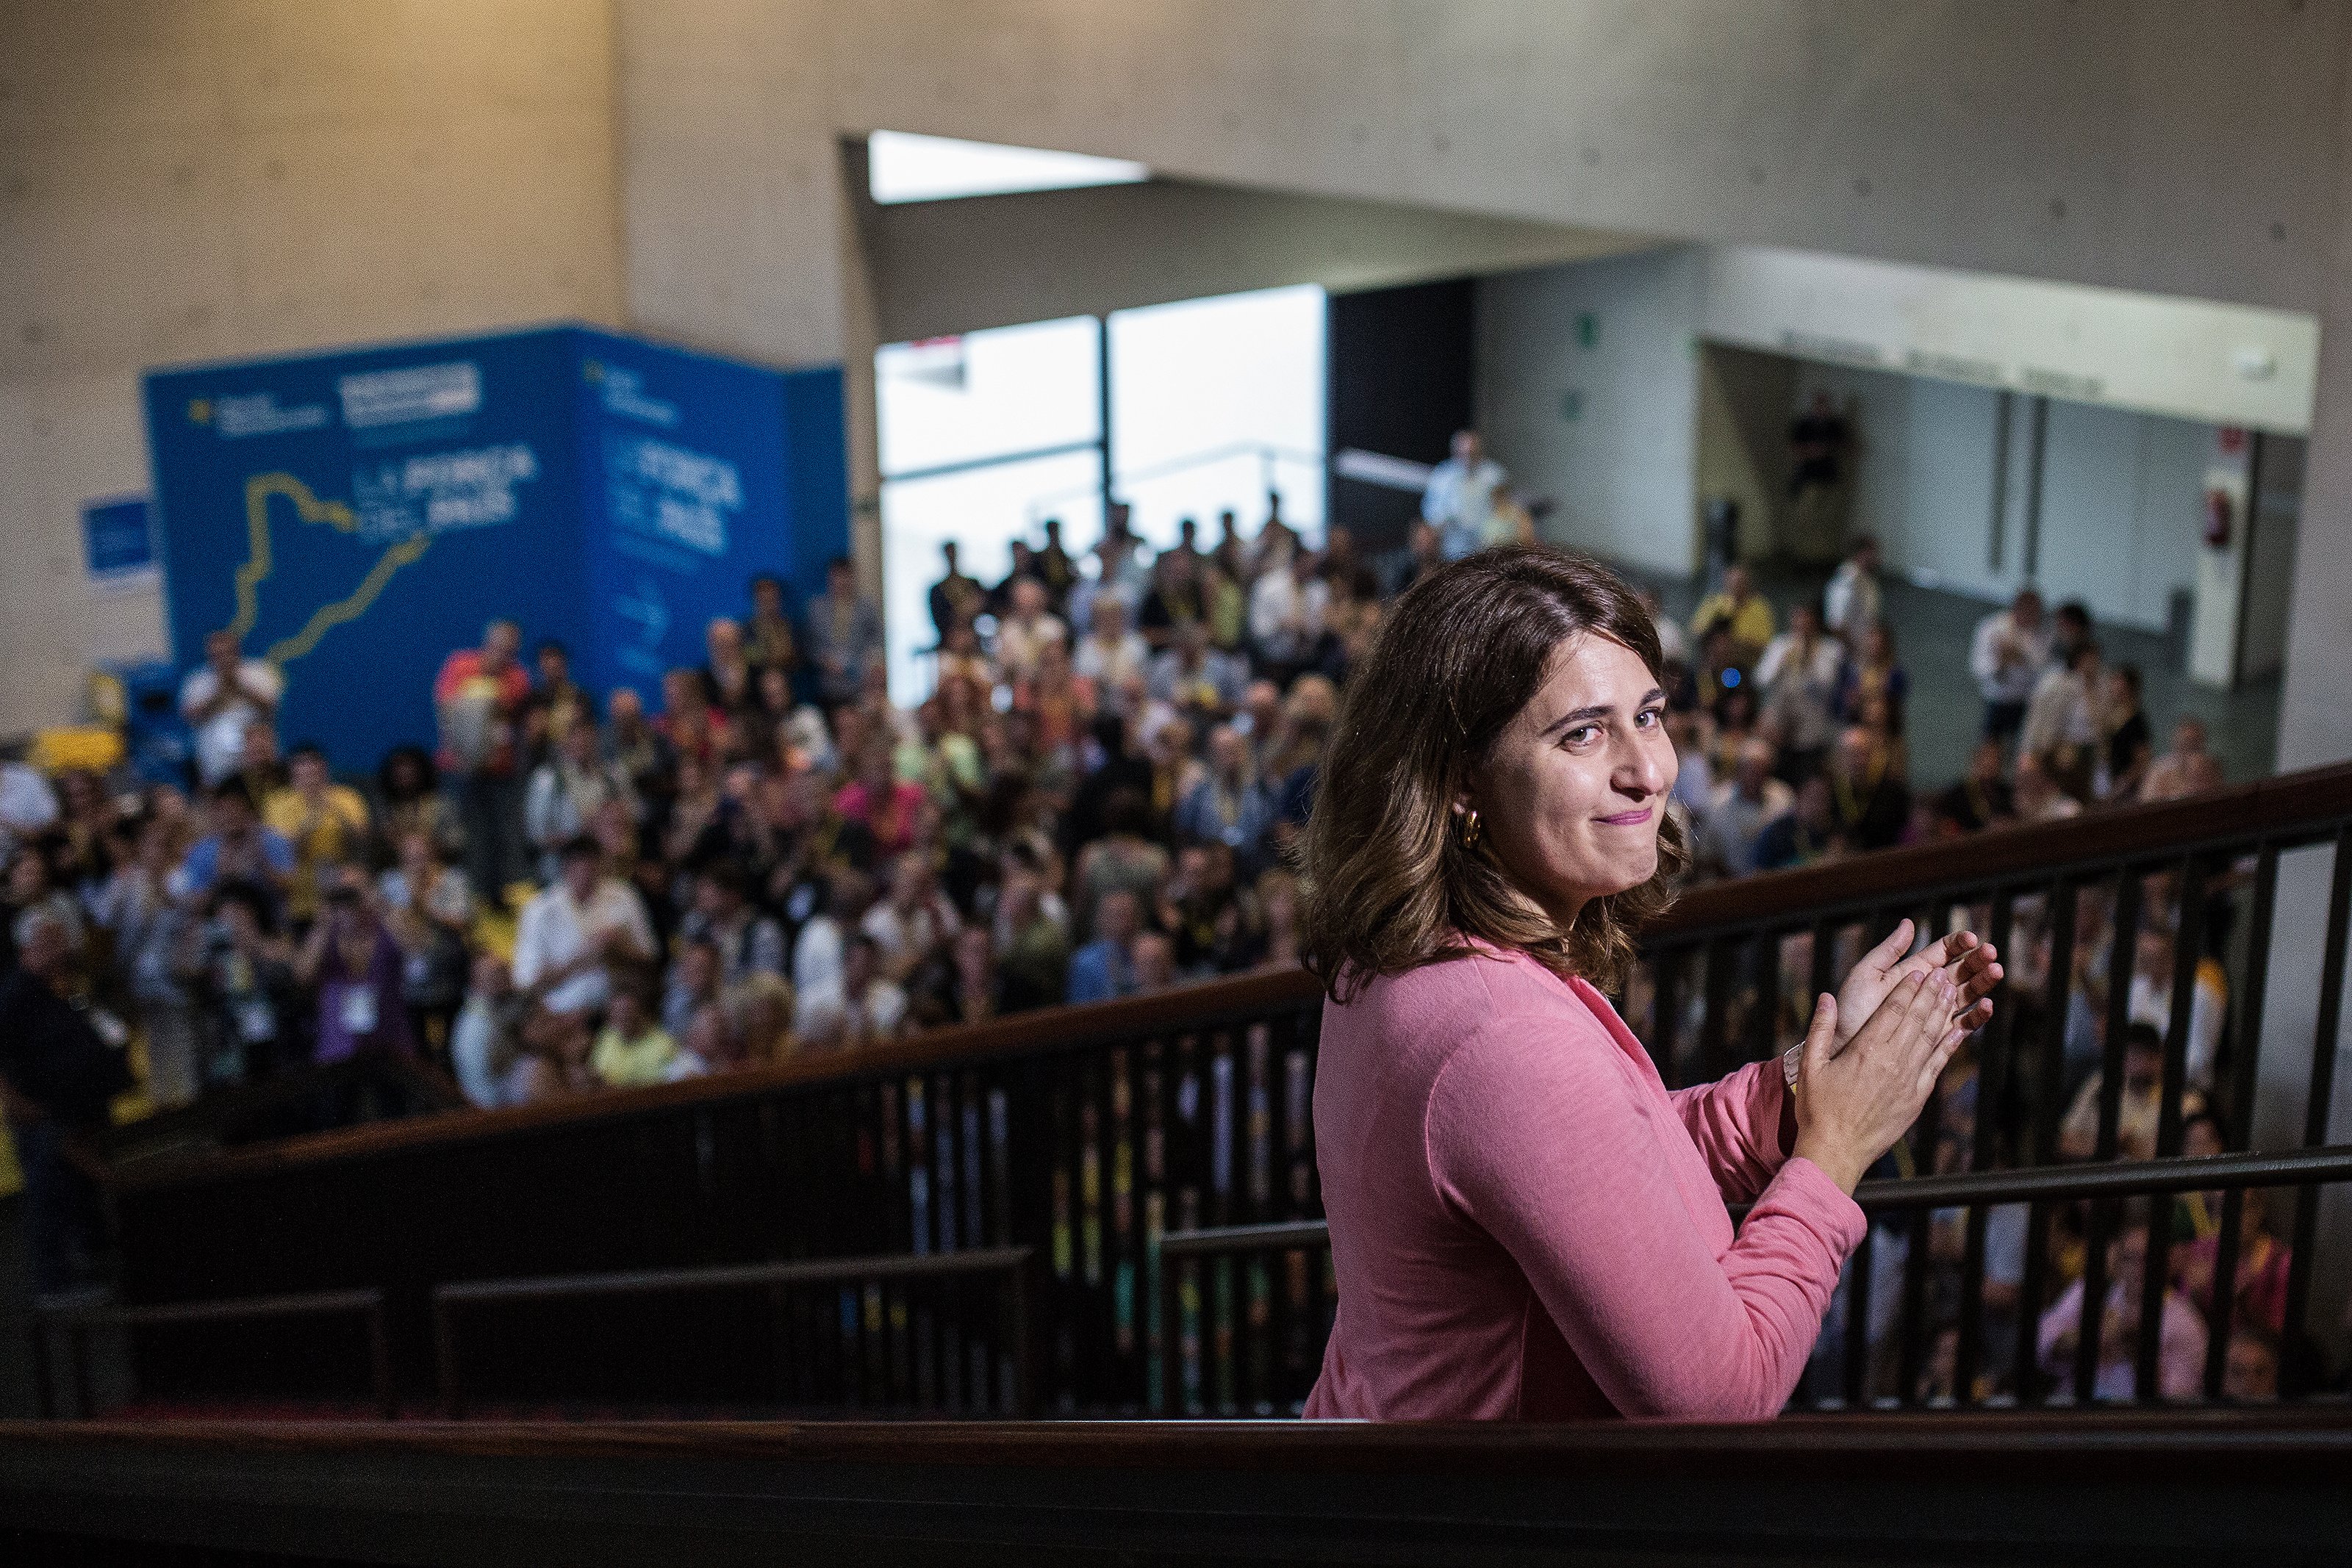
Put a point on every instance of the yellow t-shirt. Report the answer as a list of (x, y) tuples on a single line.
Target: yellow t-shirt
[(335, 834), (1751, 622), (623, 1063)]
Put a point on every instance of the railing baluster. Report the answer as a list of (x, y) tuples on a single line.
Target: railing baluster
[(1715, 1024), (1993, 1053), (1856, 1385), (2156, 1270), (2295, 1370), (2245, 1049), (2221, 1311), (1667, 1004), (2057, 986)]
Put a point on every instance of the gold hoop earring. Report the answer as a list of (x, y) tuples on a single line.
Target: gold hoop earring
[(1470, 828)]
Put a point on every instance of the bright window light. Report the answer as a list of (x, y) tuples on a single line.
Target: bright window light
[(906, 168)]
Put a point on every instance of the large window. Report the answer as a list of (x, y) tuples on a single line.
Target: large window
[(1214, 405)]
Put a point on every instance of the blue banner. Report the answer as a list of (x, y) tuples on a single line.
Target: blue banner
[(116, 542), (355, 517)]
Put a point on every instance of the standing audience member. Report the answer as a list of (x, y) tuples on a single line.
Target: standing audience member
[(1458, 494), (478, 697), (60, 1068), (2010, 651), (224, 698), (1853, 601), (843, 634), (573, 935)]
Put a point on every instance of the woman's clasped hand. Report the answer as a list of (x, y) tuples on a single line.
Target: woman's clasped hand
[(1852, 1105)]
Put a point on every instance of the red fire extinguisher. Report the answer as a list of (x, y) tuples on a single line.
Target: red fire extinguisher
[(2219, 507)]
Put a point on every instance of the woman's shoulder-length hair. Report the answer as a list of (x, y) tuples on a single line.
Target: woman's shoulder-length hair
[(1388, 883)]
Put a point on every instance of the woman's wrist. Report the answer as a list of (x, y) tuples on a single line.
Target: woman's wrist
[(1839, 1165)]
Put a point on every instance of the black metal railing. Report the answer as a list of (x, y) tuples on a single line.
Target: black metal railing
[(1091, 1134)]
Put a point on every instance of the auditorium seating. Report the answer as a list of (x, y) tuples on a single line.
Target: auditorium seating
[(718, 1246)]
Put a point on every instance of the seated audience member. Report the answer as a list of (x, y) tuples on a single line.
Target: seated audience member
[(1175, 600), (2010, 651), (1874, 671), (2263, 1266), (408, 799), (634, 1048), (2124, 737), (1285, 615), (351, 961), (708, 1046), (1694, 776), (2249, 1371), (1123, 859), (1111, 653), (1738, 609), (692, 983), (2037, 796), (1032, 939), (1103, 968), (2184, 768), (958, 986), (556, 702), (2137, 1106), (1744, 806), (1228, 806), (1212, 916), (746, 941), (1024, 632), (1154, 961), (887, 807), (1195, 674), (572, 934), (1982, 798), (567, 790), (2180, 1355), (842, 631), (1874, 804), (1800, 673), (1805, 835), (326, 822), (555, 1060), (222, 699), (239, 847), (1278, 900), (1853, 601), (60, 1068), (866, 1007), (913, 921), (2154, 970), (484, 1042)]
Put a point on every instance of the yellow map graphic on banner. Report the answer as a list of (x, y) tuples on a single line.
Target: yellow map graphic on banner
[(259, 563)]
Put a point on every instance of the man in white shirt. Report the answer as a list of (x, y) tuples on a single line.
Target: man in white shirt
[(1459, 495), (2010, 650), (1025, 631), (1799, 673), (1853, 602), (1111, 652), (914, 921), (865, 1010), (223, 700), (1285, 611), (572, 934)]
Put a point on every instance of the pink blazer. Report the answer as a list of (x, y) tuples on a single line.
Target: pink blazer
[(1528, 1225)]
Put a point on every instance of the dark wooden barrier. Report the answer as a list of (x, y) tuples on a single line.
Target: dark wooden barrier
[(76, 1324), (2147, 1492), (1088, 1133)]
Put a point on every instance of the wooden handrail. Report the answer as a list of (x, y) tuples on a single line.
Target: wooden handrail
[(2274, 805), (2145, 1488), (2277, 805)]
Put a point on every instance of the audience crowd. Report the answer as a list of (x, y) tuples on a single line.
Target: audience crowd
[(574, 891)]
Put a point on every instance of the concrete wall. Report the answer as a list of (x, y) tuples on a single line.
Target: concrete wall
[(187, 180), (2122, 492), (1606, 429), (1743, 399), (992, 261)]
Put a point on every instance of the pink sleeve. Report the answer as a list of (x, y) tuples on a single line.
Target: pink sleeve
[(1736, 1123), (1537, 1137)]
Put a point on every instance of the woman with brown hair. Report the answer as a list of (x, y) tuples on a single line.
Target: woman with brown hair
[(1525, 1223)]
